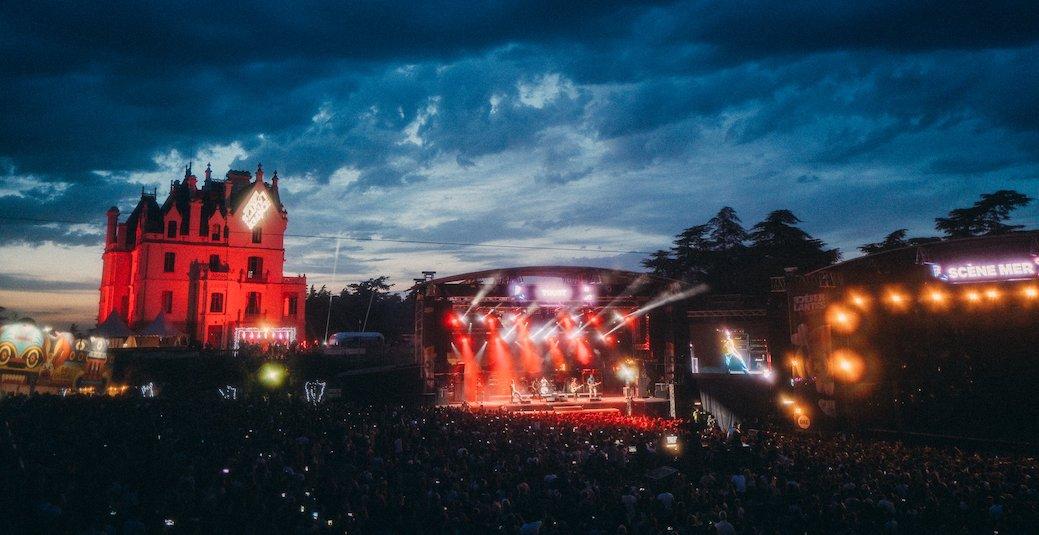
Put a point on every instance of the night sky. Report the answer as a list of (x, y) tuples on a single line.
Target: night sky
[(561, 124)]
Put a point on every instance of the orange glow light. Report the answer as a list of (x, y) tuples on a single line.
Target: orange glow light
[(1031, 292), (859, 300), (992, 294), (846, 365), (973, 296), (936, 296), (842, 319)]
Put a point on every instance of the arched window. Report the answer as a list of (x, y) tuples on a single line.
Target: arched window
[(171, 229), (216, 233)]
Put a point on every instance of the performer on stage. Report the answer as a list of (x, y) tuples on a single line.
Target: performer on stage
[(574, 387), (546, 388), (593, 386), (517, 396)]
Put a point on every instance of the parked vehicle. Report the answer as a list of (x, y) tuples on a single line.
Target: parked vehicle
[(355, 343)]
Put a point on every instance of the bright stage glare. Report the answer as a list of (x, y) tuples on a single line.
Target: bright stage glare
[(972, 296), (626, 373), (272, 374), (936, 296), (1030, 292), (992, 294)]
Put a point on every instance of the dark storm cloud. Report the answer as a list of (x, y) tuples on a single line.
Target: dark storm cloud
[(656, 91), (765, 28)]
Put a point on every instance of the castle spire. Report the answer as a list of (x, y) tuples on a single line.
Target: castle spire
[(259, 173), (274, 179), (209, 172)]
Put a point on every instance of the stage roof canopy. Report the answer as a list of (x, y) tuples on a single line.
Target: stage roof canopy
[(578, 284)]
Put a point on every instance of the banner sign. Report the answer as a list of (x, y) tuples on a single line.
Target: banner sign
[(1014, 269)]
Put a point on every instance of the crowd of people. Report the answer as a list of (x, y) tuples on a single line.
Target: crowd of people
[(131, 465)]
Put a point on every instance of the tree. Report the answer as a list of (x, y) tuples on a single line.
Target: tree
[(777, 244), (716, 252), (661, 263), (366, 304), (725, 230), (895, 240), (371, 286), (986, 217)]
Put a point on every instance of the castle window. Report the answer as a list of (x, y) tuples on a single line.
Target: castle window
[(171, 229), (216, 233), (253, 303), (255, 267), (216, 302), (167, 302), (291, 304), (169, 262), (257, 235)]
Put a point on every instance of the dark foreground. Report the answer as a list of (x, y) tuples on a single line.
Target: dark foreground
[(141, 466)]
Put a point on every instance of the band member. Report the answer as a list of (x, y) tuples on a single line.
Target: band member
[(546, 388), (574, 387), (517, 396), (593, 386)]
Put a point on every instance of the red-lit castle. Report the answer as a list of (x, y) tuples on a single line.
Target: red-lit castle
[(208, 259)]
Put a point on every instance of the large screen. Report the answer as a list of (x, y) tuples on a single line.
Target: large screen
[(729, 349)]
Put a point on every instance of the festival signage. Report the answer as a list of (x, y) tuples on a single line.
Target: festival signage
[(808, 303), (553, 294), (256, 208), (981, 271)]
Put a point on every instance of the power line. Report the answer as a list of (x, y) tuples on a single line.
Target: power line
[(381, 240)]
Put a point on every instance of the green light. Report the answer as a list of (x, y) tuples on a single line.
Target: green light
[(272, 375)]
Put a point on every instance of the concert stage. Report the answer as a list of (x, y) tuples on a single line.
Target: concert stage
[(639, 406), (489, 333)]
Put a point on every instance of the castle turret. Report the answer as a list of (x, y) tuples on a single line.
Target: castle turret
[(113, 221), (190, 180)]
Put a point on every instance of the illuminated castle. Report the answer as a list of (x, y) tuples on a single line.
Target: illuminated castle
[(208, 259)]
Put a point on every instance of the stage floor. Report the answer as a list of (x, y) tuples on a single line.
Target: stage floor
[(640, 406)]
